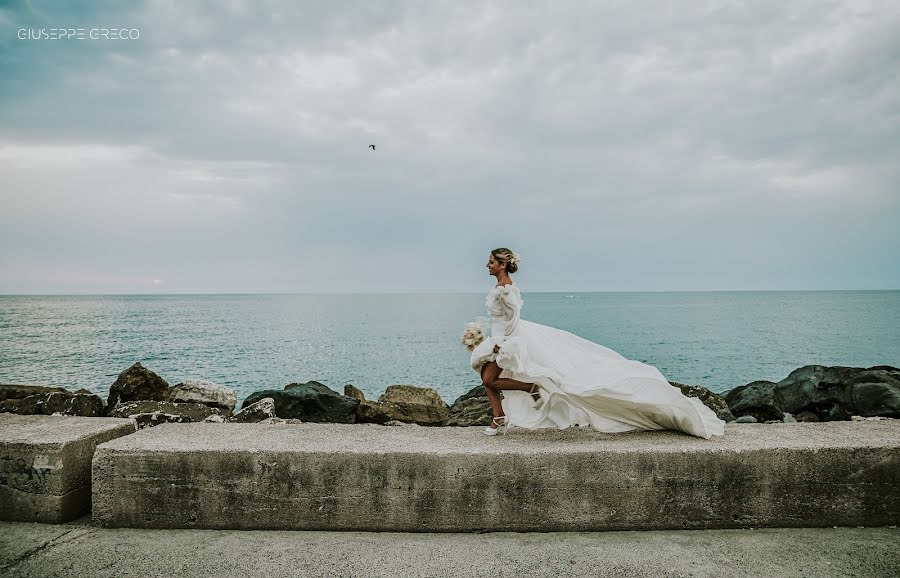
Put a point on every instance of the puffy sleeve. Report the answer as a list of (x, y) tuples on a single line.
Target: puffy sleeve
[(511, 302)]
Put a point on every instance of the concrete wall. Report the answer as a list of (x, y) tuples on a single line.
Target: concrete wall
[(45, 464), (409, 478)]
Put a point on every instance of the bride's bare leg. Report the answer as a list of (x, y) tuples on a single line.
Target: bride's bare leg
[(507, 383), (490, 373), (494, 397)]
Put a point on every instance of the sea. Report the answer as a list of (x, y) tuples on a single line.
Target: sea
[(254, 342)]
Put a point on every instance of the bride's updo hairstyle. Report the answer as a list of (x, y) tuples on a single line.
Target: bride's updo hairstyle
[(504, 255)]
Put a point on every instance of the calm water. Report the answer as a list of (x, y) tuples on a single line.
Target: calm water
[(252, 342)]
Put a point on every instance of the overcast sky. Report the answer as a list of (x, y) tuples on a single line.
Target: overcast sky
[(614, 146)]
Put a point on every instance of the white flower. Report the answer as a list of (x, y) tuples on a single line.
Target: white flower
[(473, 335)]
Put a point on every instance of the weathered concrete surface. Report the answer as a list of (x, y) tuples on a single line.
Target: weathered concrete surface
[(370, 477), (77, 549), (45, 464)]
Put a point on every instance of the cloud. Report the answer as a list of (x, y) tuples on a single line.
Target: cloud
[(657, 139)]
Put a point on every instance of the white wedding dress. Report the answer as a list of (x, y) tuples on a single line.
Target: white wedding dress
[(583, 383)]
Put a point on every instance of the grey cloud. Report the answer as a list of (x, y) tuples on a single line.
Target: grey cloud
[(661, 136)]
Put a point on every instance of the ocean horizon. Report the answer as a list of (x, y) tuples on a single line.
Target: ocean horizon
[(255, 341)]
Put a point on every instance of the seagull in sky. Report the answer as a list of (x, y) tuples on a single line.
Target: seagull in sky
[(372, 147)]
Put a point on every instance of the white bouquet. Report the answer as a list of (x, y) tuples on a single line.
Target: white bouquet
[(472, 335)]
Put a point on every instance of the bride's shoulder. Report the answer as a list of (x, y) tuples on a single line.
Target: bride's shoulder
[(506, 289)]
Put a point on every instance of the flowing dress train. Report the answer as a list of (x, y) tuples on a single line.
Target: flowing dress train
[(584, 383)]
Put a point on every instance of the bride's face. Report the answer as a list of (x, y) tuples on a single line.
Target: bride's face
[(493, 266)]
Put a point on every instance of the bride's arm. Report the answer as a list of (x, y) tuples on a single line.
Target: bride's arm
[(512, 305)]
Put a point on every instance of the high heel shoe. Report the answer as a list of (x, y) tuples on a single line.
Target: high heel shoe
[(492, 431), (539, 402)]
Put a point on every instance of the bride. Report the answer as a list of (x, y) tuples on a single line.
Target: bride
[(553, 378)]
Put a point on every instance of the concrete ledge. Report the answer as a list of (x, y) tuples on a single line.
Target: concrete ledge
[(45, 464), (375, 478)]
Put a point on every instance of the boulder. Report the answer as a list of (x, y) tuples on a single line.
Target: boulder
[(55, 402), (83, 404), (877, 399), (311, 401), (137, 383), (351, 390), (419, 405), (746, 419), (405, 403), (255, 412), (471, 408), (818, 389), (372, 412), (711, 400), (836, 393), (761, 399), (11, 391), (31, 405), (205, 392), (150, 413)]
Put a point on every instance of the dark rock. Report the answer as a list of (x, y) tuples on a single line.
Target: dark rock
[(311, 401), (150, 413), (876, 399), (10, 391), (471, 408), (477, 391), (815, 386), (351, 390), (145, 420), (711, 400), (31, 405), (807, 416), (761, 399), (137, 384), (256, 412), (61, 402), (746, 419), (81, 404), (836, 393)]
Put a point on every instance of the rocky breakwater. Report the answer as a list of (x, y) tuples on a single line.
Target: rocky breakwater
[(137, 393), (316, 402), (41, 400), (141, 394), (820, 393), (809, 393)]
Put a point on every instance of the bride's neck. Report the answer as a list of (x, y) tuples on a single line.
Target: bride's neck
[(504, 280)]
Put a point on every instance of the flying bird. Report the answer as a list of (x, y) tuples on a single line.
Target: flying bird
[(372, 147)]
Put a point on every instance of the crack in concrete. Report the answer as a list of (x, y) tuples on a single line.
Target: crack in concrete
[(55, 541)]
